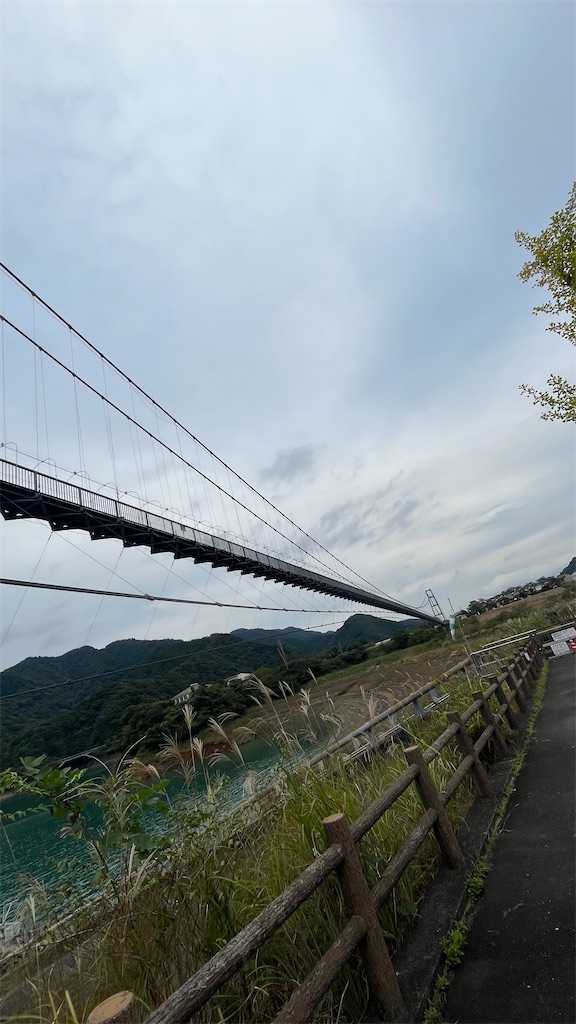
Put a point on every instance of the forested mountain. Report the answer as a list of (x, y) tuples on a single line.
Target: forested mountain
[(357, 627), (105, 699), (39, 691)]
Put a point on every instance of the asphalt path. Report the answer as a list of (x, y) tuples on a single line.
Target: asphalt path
[(520, 955)]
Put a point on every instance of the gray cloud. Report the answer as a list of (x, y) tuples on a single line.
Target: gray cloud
[(370, 519), (291, 464), (243, 202), (496, 517)]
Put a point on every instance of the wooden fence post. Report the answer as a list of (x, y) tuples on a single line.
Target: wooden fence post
[(528, 671), (537, 659), (431, 798), (490, 720), (503, 700), (515, 672), (382, 981), (525, 665), (467, 749), (534, 667)]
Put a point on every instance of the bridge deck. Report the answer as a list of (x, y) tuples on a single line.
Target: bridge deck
[(25, 493)]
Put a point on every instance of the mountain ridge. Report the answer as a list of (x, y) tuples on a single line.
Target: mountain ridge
[(56, 692)]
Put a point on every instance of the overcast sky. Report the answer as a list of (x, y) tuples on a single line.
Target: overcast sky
[(293, 224)]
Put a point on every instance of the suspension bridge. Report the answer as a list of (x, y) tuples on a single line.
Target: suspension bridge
[(111, 429)]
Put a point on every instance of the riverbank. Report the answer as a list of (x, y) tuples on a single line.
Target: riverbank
[(214, 881), (217, 880)]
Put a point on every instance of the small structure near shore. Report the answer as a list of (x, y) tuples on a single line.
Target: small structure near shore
[(184, 696)]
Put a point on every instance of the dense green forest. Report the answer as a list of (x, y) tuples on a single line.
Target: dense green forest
[(104, 701), (61, 706)]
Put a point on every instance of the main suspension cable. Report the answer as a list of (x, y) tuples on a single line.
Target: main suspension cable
[(170, 600)]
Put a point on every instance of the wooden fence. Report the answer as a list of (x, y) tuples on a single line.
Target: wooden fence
[(363, 930)]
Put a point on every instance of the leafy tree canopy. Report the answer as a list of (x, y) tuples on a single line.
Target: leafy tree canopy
[(553, 266)]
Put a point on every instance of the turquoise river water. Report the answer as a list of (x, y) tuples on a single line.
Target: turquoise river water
[(32, 847)]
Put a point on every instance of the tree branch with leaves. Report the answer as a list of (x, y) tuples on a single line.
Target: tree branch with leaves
[(553, 266)]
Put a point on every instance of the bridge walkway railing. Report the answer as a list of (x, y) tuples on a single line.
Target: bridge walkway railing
[(28, 493)]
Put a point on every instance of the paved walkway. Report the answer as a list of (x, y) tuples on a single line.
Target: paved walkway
[(519, 964)]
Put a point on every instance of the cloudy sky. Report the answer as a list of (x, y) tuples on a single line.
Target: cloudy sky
[(293, 225)]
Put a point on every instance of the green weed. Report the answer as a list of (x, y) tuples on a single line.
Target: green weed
[(475, 883), (453, 946)]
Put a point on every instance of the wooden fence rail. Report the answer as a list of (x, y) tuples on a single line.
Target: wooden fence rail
[(363, 931)]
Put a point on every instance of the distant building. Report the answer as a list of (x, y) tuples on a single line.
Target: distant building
[(241, 677), (185, 695)]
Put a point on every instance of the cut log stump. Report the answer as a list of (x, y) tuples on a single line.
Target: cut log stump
[(117, 1009)]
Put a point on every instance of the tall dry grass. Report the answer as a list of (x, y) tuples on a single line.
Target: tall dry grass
[(218, 871)]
